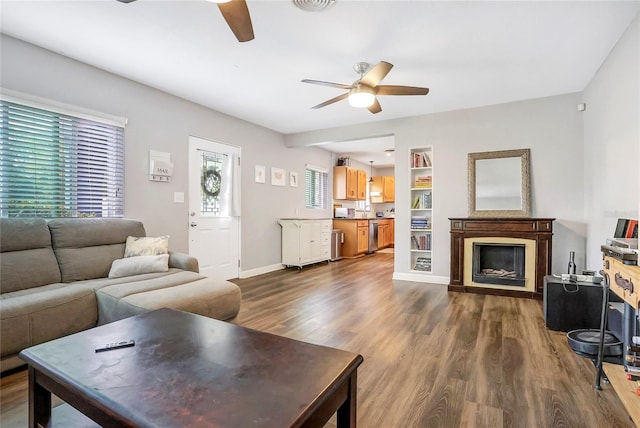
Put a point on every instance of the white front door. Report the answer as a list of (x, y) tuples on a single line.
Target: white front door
[(214, 207)]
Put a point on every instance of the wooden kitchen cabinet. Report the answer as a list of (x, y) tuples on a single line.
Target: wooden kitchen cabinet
[(362, 185), (383, 189), (356, 236), (349, 183), (385, 233), (363, 236)]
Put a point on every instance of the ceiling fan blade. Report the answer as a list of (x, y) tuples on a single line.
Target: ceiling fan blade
[(375, 107), (376, 74), (332, 100), (126, 1), (323, 83), (236, 13), (400, 90)]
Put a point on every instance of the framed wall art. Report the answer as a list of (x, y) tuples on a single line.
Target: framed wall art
[(278, 177), (260, 173)]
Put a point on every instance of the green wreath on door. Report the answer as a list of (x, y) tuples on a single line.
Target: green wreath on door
[(211, 182)]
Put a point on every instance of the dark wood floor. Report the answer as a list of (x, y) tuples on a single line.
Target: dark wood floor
[(431, 358)]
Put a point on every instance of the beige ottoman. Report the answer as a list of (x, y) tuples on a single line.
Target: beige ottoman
[(182, 290)]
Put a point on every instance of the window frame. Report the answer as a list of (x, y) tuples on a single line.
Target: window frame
[(83, 154), (311, 196)]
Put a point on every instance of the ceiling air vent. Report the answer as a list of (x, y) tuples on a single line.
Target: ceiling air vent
[(313, 5)]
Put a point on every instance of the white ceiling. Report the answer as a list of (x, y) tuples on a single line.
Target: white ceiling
[(365, 150), (469, 54)]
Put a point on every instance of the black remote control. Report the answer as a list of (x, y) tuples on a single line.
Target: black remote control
[(115, 345)]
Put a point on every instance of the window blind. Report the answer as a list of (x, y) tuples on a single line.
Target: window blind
[(57, 165), (316, 187)]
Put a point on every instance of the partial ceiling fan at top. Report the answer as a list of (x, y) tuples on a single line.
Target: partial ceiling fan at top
[(236, 13), (362, 93)]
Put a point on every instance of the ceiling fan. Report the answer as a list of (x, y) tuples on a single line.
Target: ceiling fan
[(236, 13), (362, 93)]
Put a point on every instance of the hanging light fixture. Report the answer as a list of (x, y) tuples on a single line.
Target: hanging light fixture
[(361, 96), (371, 172)]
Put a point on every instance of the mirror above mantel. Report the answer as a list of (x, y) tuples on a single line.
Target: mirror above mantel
[(499, 184)]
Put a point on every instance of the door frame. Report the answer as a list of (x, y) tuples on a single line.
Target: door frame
[(192, 142)]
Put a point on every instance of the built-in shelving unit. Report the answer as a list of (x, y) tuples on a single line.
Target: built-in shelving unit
[(421, 182)]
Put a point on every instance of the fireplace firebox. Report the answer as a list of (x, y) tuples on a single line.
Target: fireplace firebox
[(502, 264)]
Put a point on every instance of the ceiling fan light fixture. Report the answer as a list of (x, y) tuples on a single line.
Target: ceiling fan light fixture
[(219, 1), (361, 96), (389, 152)]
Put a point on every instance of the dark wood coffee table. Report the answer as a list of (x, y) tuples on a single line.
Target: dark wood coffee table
[(189, 370)]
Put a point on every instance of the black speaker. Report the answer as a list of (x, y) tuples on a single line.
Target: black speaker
[(571, 306)]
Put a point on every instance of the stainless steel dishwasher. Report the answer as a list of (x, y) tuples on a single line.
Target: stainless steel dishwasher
[(373, 236)]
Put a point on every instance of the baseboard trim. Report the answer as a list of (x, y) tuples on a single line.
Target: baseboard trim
[(419, 277), (260, 270)]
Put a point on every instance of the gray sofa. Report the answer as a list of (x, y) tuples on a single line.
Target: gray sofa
[(54, 282)]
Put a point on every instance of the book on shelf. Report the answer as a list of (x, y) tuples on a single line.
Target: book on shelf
[(632, 229), (423, 181), (420, 222), (626, 228), (421, 160), (422, 201), (422, 263), (621, 228), (421, 242), (420, 225), (416, 203)]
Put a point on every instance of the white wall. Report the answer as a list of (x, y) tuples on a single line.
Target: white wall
[(612, 142), (163, 122), (550, 127)]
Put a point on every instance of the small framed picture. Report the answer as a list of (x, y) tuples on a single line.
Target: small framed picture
[(293, 179), (278, 177), (260, 172)]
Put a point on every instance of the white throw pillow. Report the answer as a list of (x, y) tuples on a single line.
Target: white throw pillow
[(146, 246), (138, 265)]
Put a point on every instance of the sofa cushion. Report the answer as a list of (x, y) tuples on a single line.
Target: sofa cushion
[(36, 315), (98, 283), (177, 289), (146, 246), (137, 265), (24, 234), (27, 259), (86, 248)]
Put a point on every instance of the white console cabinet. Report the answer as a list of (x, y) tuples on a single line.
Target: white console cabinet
[(305, 241)]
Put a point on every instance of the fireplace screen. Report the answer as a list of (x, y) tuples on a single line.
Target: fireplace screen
[(501, 264)]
